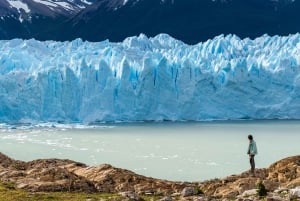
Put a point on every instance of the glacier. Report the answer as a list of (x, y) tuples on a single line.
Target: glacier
[(150, 79)]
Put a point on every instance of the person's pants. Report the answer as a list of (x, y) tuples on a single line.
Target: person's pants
[(252, 163)]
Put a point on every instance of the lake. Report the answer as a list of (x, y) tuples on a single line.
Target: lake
[(184, 151)]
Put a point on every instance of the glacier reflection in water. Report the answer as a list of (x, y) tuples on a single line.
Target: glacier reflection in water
[(173, 151)]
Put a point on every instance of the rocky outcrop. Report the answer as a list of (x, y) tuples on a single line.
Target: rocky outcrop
[(43, 175), (67, 175), (284, 174), (281, 179), (110, 179)]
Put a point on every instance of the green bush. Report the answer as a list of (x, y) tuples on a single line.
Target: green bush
[(199, 191), (9, 185), (261, 189)]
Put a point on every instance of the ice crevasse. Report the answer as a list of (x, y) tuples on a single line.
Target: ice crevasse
[(150, 79)]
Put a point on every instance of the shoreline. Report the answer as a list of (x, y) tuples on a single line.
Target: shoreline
[(52, 175), (54, 124)]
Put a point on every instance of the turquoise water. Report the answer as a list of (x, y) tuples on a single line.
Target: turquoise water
[(174, 151)]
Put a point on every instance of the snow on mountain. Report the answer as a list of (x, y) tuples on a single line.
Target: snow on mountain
[(36, 18), (18, 8), (155, 79), (54, 4), (67, 5), (125, 1), (19, 5)]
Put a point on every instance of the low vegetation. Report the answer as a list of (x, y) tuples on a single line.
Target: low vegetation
[(8, 192), (261, 189)]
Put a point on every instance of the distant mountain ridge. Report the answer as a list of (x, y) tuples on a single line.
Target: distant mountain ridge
[(191, 21), (26, 18), (23, 8)]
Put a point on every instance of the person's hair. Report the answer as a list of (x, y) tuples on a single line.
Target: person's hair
[(250, 137)]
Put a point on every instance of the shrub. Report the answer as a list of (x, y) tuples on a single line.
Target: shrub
[(261, 189), (9, 185)]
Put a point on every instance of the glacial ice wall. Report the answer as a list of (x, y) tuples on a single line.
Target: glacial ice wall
[(144, 79)]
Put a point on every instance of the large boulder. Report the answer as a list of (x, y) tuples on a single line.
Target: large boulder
[(107, 178)]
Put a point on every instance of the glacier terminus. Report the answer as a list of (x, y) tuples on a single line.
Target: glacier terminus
[(150, 79)]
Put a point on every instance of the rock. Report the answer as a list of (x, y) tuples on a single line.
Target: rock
[(110, 179), (284, 173), (281, 190), (67, 175), (271, 185), (199, 199), (166, 198), (294, 193), (248, 193), (175, 194), (285, 170), (148, 192), (293, 183), (188, 191), (55, 179), (22, 185), (274, 198), (131, 195), (5, 161)]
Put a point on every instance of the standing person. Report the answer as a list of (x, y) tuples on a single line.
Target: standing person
[(252, 151)]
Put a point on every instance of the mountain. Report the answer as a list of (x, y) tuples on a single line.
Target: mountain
[(188, 20), (24, 9), (191, 21), (27, 18)]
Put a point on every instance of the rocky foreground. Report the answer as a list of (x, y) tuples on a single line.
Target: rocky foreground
[(281, 179)]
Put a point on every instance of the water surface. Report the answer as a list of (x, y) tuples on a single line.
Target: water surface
[(174, 151)]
